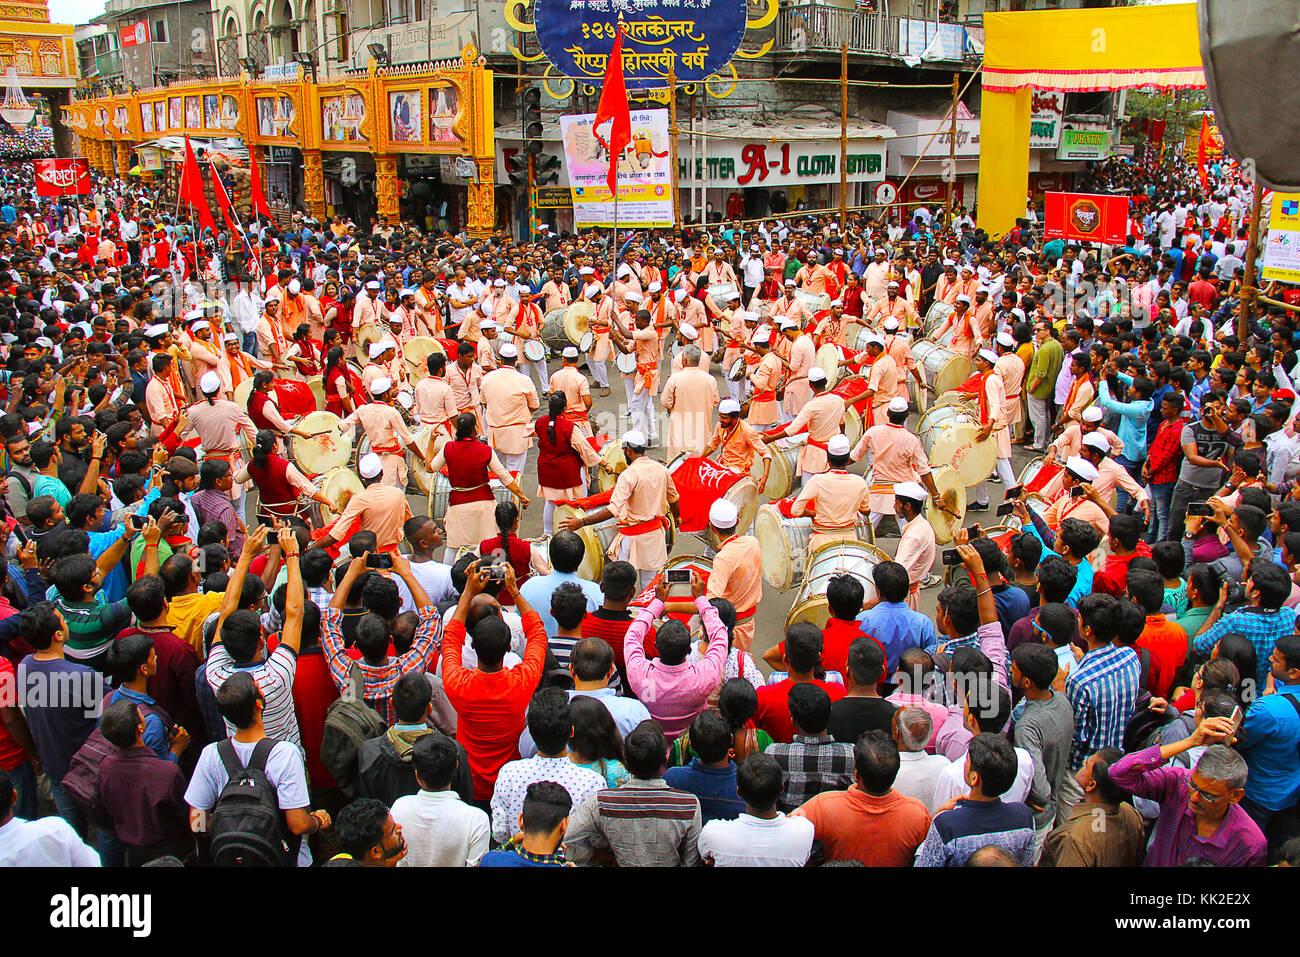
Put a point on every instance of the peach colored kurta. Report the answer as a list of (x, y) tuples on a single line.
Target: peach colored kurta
[(738, 447), (646, 343), (792, 308), (1012, 370), (995, 397), (643, 491), (765, 377), (601, 349), (235, 369), (388, 435), (897, 348), (509, 401), (465, 387), (837, 497), (798, 392), (160, 404), (382, 509), (899, 308), (884, 379), (679, 363), (204, 357), (1080, 508), (916, 550), (690, 396), (896, 456), (574, 385), (435, 402), (694, 314), (737, 576), (1070, 441), (823, 415), (555, 295)]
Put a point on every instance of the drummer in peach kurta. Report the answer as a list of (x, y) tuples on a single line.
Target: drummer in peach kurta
[(823, 418), (802, 357), (837, 497), (737, 573), (378, 508), (576, 389), (465, 376), (737, 442), (383, 426), (917, 545), (509, 401), (690, 396), (1012, 370), (896, 456), (882, 380), (688, 335), (764, 410)]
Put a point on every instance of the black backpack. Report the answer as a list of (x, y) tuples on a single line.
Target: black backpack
[(248, 828), (349, 723)]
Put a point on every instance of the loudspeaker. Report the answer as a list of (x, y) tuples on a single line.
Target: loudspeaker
[(1251, 53)]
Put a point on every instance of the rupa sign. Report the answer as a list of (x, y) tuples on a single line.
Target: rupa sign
[(62, 177)]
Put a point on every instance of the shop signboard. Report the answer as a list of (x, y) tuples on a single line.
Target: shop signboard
[(695, 38), (1084, 145), (739, 164), (1047, 110), (644, 182)]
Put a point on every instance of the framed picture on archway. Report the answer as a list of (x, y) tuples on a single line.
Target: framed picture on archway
[(444, 109), (175, 119), (160, 116), (146, 118), (405, 114), (211, 111)]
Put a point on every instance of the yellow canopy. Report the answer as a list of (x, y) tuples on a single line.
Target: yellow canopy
[(1093, 49)]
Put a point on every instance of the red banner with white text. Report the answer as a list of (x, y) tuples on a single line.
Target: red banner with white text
[(1086, 217), (62, 177)]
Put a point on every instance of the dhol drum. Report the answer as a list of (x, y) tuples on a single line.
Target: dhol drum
[(368, 333), (934, 318), (941, 370), (243, 391), (948, 435), (1039, 474), (851, 390), (700, 482), (626, 363), (552, 333), (677, 591), (721, 291), (317, 386), (294, 398), (783, 543), (961, 399), (418, 476), (815, 301), (952, 493), (587, 342), (416, 354), (577, 321), (784, 471), (828, 358), (534, 350), (442, 491), (596, 540), (338, 485), (1001, 534), (615, 462), (738, 369), (327, 449), (833, 558)]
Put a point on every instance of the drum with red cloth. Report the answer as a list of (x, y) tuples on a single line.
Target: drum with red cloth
[(700, 482), (1001, 534), (852, 390), (676, 592), (295, 399), (1038, 474)]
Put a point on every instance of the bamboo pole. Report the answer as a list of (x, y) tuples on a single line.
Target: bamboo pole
[(952, 149), (844, 137), (672, 144), (1252, 251)]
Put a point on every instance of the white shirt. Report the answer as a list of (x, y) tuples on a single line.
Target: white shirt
[(951, 782), (47, 842), (918, 773), (440, 830), (512, 784), (434, 577), (750, 841), (626, 712)]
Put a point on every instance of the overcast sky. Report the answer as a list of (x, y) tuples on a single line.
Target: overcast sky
[(75, 11)]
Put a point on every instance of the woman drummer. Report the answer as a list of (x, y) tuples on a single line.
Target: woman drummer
[(217, 423), (279, 483), (563, 456), (338, 391), (471, 463), (522, 554), (264, 411), (304, 353)]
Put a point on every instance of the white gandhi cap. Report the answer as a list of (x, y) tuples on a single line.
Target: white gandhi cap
[(912, 490), (370, 466), (728, 407), (1095, 440), (635, 438), (688, 331), (570, 352), (210, 383), (1081, 469), (508, 351), (816, 374), (898, 404), (381, 385), (376, 349), (723, 514), (1092, 414), (838, 445)]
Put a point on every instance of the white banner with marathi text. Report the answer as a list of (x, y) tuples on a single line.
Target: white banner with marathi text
[(645, 194)]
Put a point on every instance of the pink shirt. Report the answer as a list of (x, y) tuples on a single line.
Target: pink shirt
[(674, 694)]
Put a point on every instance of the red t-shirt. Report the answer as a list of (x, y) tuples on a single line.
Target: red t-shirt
[(773, 714), (11, 753), (313, 693), (836, 638)]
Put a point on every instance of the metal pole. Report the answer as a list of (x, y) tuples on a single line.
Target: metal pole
[(1252, 250), (844, 137), (704, 153), (952, 147), (691, 175), (672, 143)]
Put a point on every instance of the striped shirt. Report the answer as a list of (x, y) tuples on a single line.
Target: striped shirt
[(644, 823), (92, 625), (1263, 626), (274, 678), (957, 834), (1103, 691), (379, 679)]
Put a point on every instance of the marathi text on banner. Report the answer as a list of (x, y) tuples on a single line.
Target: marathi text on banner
[(644, 178)]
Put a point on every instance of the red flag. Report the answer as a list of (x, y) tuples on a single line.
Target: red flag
[(256, 196), (191, 190), (223, 201), (614, 107)]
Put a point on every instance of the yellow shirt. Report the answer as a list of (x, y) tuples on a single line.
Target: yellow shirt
[(187, 613)]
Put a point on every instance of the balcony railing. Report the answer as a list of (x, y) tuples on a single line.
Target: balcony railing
[(818, 28)]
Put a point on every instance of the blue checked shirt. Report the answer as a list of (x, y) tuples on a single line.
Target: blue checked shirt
[(1103, 691), (1262, 626)]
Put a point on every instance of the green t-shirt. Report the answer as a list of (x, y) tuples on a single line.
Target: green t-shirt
[(1046, 366), (49, 485)]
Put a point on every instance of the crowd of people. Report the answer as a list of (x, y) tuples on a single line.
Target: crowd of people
[(208, 657)]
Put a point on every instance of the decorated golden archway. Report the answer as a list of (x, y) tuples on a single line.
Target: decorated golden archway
[(443, 111), (1070, 50)]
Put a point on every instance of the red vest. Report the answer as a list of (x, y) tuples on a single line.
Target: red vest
[(558, 466), (256, 401), (332, 401), (467, 470), (521, 553), (273, 484)]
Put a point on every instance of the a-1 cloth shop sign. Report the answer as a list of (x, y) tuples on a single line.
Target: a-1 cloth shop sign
[(736, 163)]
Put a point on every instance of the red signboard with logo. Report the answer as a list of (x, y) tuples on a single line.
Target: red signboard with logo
[(1086, 217), (134, 34), (62, 177)]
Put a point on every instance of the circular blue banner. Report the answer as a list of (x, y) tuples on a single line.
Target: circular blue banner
[(697, 38)]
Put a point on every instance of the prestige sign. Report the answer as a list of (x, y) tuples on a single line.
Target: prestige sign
[(740, 164), (62, 177)]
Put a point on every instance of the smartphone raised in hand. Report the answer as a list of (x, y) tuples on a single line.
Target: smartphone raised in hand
[(1006, 508), (951, 556), (1078, 492), (379, 560), (1200, 509), (678, 576), (1013, 493)]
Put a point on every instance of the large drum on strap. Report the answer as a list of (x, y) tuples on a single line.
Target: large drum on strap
[(941, 370), (815, 301), (317, 386), (552, 332), (577, 320), (294, 398), (416, 354), (338, 485), (934, 318), (418, 476), (368, 333), (442, 492), (952, 493), (1039, 474), (828, 357), (948, 435), (613, 458), (596, 540), (851, 390), (784, 471), (833, 558), (328, 448), (700, 482), (1001, 534), (783, 543)]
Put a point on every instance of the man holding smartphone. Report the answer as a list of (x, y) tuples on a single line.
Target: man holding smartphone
[(1208, 444)]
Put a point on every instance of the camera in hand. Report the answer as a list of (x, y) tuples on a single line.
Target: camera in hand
[(496, 569), (379, 560), (137, 521), (951, 556)]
